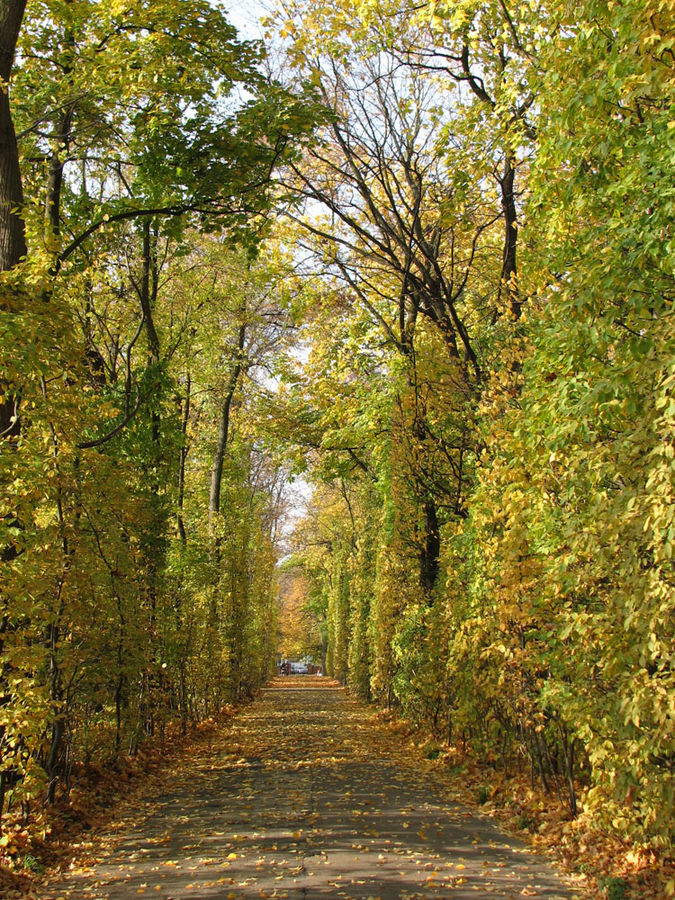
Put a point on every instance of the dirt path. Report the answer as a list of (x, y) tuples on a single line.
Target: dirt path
[(304, 797)]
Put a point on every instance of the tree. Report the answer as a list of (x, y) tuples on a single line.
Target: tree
[(118, 112), (12, 239), (132, 116), (549, 459)]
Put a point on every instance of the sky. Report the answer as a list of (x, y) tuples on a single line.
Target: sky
[(245, 16)]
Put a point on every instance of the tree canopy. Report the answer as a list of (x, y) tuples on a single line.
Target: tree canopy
[(427, 268)]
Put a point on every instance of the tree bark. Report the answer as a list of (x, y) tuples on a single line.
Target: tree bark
[(181, 461), (224, 426), (55, 176), (147, 294), (12, 231), (510, 266), (12, 251), (431, 547)]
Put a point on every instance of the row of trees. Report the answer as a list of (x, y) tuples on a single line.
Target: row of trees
[(487, 408), (470, 317), (137, 322)]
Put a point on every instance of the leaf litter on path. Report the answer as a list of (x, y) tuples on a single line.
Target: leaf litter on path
[(306, 794)]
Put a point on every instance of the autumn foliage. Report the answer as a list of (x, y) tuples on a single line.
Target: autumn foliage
[(432, 273), (511, 438)]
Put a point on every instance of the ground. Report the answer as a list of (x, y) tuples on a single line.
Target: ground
[(305, 794)]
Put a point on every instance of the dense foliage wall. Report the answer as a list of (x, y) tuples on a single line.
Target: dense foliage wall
[(491, 382), (126, 608), (468, 317), (138, 514)]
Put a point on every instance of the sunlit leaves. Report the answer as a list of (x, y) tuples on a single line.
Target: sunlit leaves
[(552, 631)]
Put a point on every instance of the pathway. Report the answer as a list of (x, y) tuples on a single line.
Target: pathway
[(303, 796)]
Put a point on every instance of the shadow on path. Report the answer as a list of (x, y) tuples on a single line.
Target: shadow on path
[(304, 796)]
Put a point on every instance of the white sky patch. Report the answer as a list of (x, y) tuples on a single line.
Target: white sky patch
[(245, 16)]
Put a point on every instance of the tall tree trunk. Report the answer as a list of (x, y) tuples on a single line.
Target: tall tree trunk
[(214, 615), (431, 546), (12, 250), (224, 426), (430, 538), (55, 177), (12, 232), (147, 293), (181, 462), (510, 264)]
